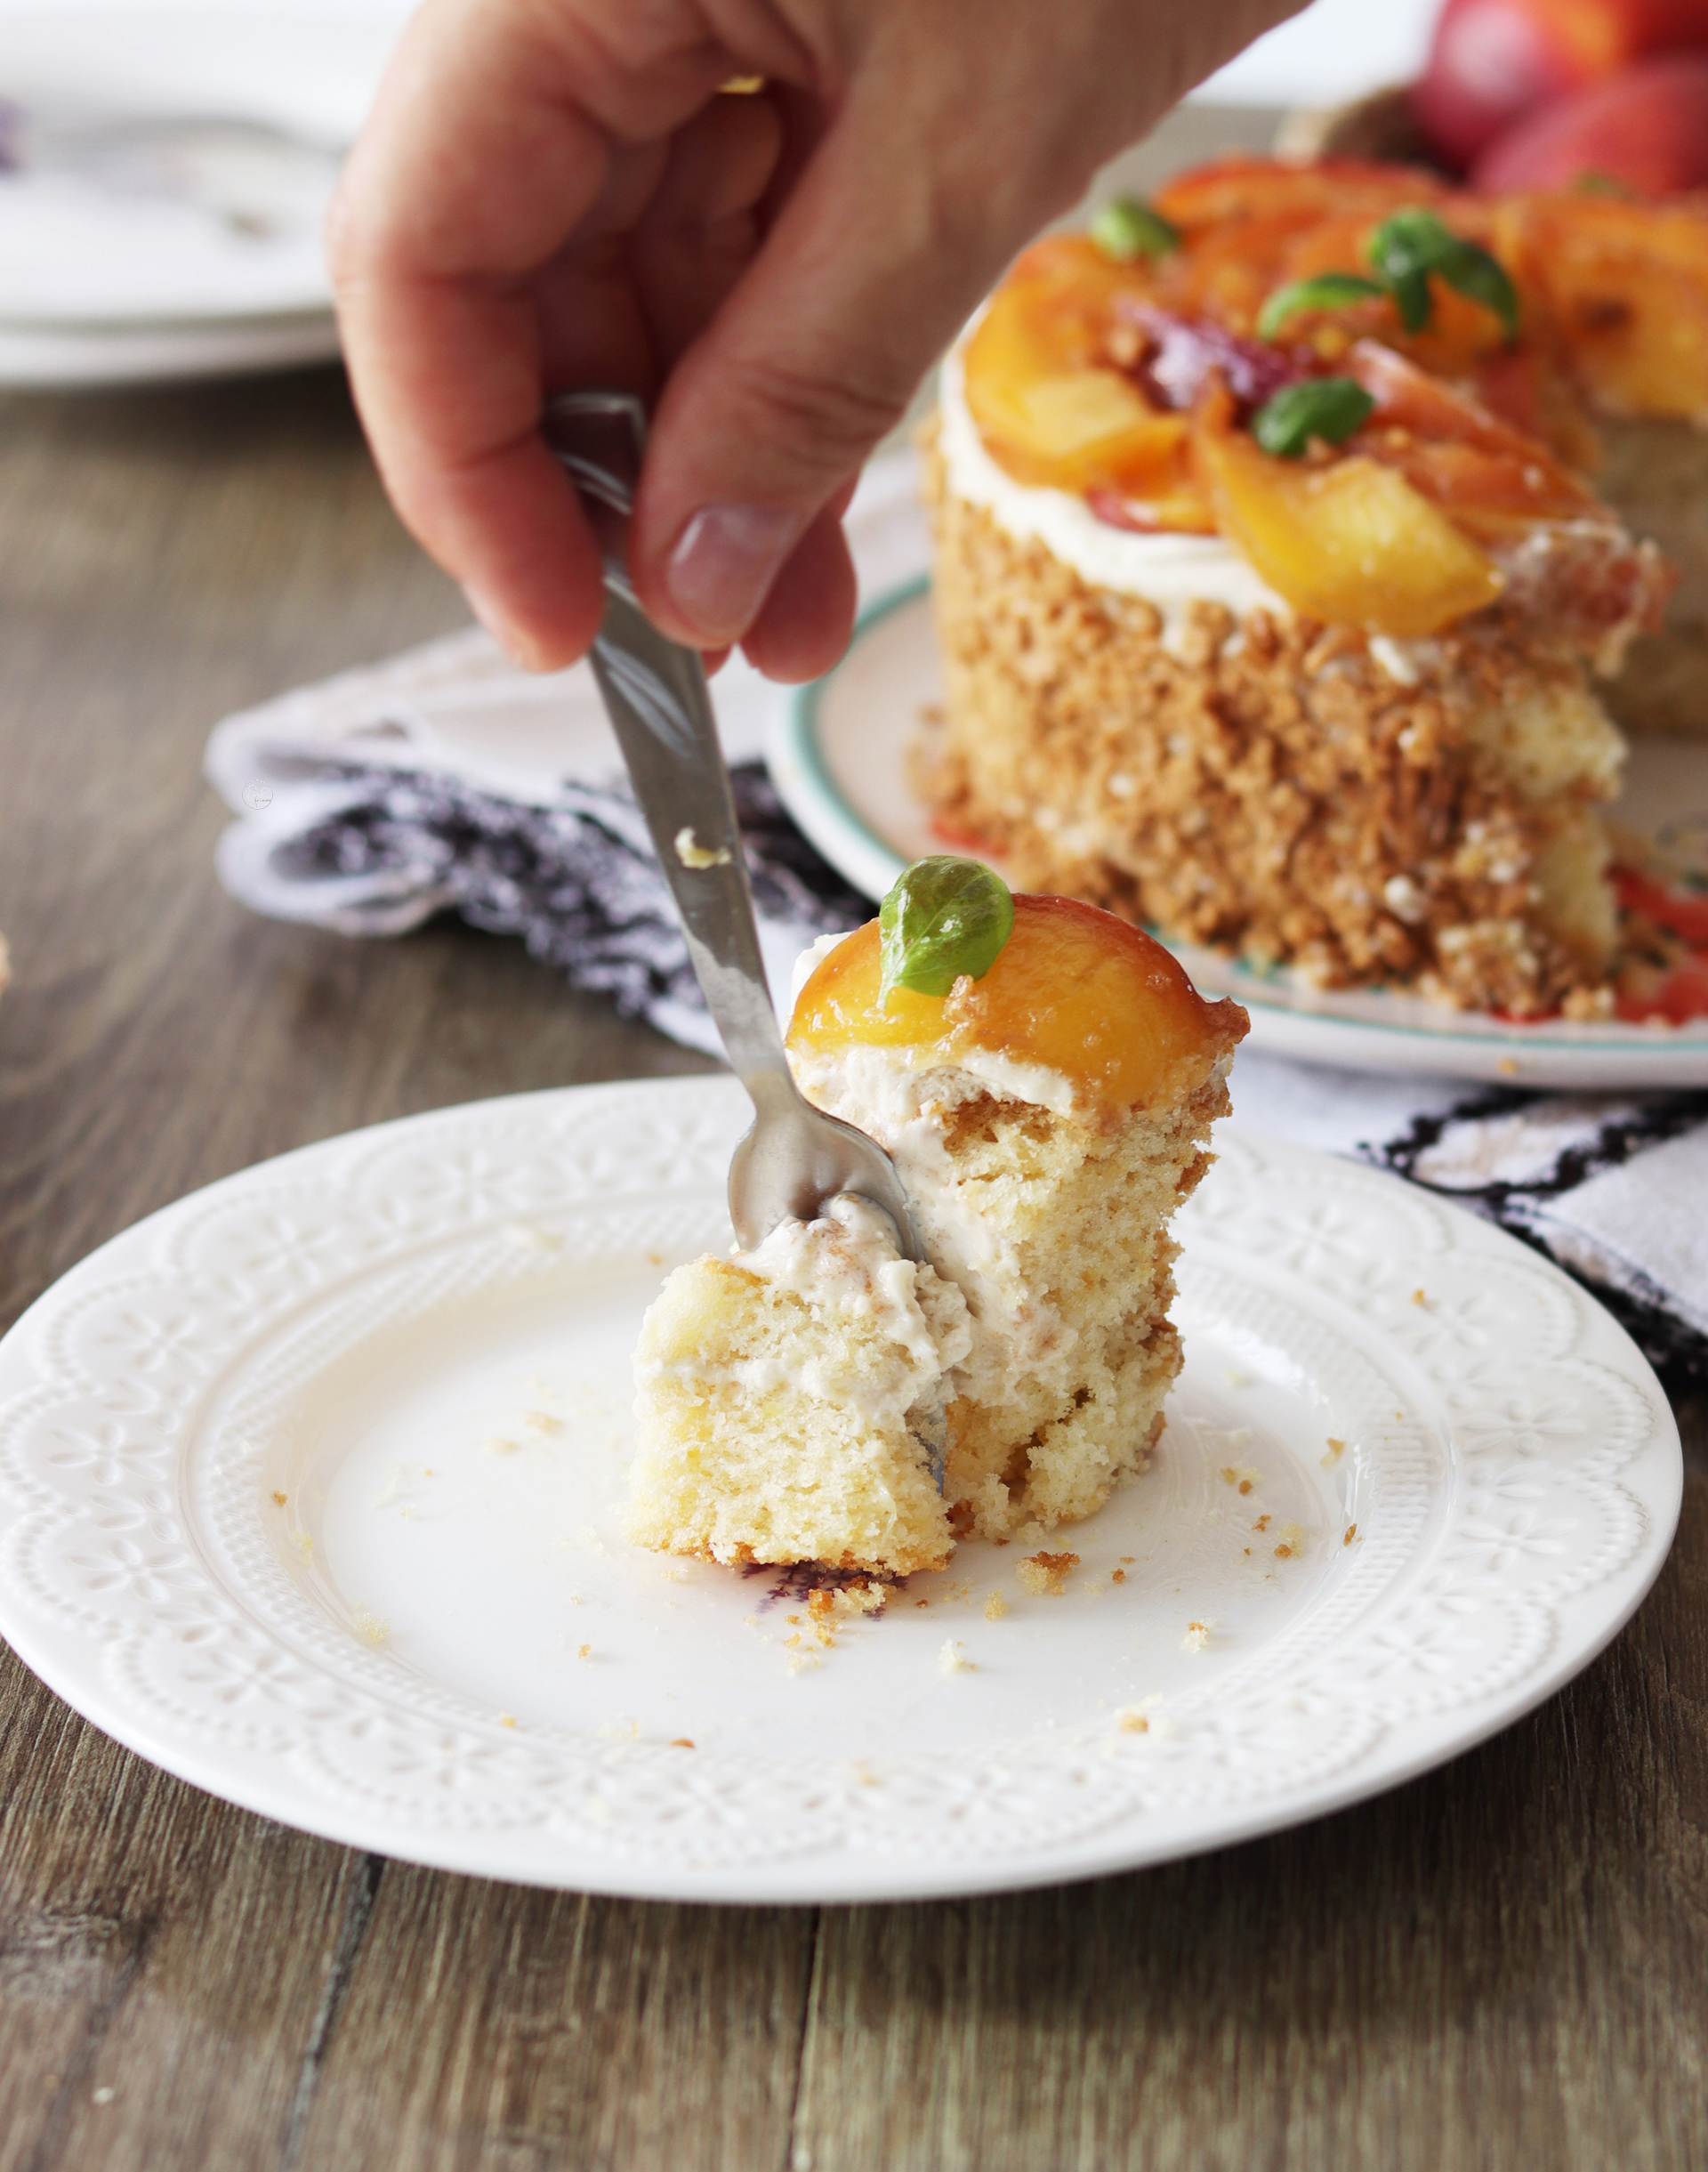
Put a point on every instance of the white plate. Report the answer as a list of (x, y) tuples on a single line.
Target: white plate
[(33, 359), (839, 755), (176, 166), (216, 1436)]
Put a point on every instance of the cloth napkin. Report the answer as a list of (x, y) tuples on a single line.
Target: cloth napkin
[(445, 779)]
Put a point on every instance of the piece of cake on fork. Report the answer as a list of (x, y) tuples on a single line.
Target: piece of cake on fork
[(1044, 1077)]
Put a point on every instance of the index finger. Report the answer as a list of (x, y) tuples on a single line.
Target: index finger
[(484, 155)]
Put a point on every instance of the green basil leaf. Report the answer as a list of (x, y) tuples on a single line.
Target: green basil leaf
[(1407, 247), (1335, 290), (1127, 229), (1327, 407), (1474, 274), (942, 918)]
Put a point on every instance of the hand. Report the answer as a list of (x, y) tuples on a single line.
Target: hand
[(556, 193)]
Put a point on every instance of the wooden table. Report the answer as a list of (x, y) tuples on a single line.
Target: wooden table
[(1503, 1965)]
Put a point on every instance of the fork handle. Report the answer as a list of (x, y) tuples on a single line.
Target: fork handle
[(656, 692)]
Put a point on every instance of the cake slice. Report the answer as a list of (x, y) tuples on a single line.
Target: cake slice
[(1047, 1111)]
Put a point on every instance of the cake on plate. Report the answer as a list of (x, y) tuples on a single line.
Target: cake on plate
[(1047, 1103), (1263, 621)]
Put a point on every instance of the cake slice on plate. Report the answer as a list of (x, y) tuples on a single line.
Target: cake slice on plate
[(1044, 1077), (1270, 638)]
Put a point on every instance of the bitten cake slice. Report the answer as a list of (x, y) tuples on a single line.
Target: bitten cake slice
[(1044, 1077)]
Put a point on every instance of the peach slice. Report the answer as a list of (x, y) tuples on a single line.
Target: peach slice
[(1626, 286), (1050, 411), (1074, 990), (1352, 543)]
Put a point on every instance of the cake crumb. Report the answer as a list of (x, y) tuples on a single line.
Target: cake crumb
[(1133, 1723), (694, 854), (1198, 1636), (1119, 1576), (1352, 1533), (1262, 1523), (585, 1652), (370, 1628), (506, 1720), (495, 1444), (681, 1741), (799, 1662), (1418, 1297), (538, 1421), (588, 1536), (996, 1606), (1336, 1449), (953, 1659), (278, 1500), (1045, 1575), (1508, 1067), (1127, 1560)]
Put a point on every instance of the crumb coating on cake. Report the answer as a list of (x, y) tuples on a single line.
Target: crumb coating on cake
[(1297, 794)]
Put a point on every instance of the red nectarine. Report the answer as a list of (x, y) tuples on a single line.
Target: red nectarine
[(1646, 128), (1492, 61)]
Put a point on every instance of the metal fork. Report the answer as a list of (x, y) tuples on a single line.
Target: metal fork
[(795, 1156)]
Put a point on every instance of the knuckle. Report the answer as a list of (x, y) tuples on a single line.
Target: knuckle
[(841, 412)]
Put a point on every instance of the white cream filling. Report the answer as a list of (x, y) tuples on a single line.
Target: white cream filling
[(845, 1263), (1014, 1331), (1167, 571)]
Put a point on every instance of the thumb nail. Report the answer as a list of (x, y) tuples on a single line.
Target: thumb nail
[(724, 562)]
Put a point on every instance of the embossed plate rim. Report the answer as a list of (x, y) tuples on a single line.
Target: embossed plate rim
[(1279, 1205)]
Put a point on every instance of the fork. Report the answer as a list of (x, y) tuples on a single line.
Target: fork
[(794, 1157)]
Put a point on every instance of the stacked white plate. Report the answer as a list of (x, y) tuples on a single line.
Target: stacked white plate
[(163, 176)]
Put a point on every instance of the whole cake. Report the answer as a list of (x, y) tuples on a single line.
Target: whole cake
[(1047, 1104), (1263, 620)]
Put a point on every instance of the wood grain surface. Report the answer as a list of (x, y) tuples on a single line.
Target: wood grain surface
[(1503, 1965)]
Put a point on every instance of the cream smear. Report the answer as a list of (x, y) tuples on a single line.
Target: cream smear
[(1168, 571), (844, 1263), (886, 1092)]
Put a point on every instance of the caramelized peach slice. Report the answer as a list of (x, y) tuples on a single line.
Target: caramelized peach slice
[(1626, 287), (1352, 543), (1491, 478), (1050, 411), (1247, 188), (1074, 990)]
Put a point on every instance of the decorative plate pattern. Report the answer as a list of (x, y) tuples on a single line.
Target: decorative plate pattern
[(1412, 1480)]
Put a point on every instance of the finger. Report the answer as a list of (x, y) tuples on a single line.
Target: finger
[(701, 227), (479, 163), (862, 281), (803, 624)]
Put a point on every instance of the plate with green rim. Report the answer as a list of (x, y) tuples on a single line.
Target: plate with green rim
[(842, 755)]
